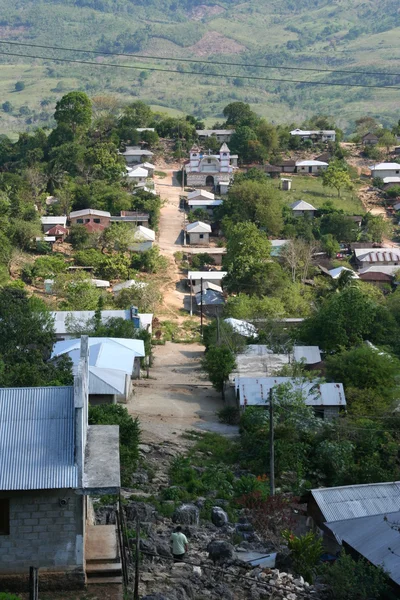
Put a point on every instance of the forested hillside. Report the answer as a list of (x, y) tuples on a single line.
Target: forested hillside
[(302, 34)]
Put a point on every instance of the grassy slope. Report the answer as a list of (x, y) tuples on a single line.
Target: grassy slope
[(263, 27)]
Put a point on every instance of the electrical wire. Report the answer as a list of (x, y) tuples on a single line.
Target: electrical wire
[(204, 62), (248, 77)]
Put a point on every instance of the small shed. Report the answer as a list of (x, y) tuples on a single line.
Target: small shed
[(286, 185), (370, 139), (144, 239), (199, 233), (138, 175)]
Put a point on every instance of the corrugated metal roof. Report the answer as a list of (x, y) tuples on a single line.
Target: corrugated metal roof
[(80, 317), (206, 275), (310, 354), (254, 391), (242, 327), (348, 502), (336, 273), (89, 211), (37, 438), (106, 353), (210, 298), (198, 227), (372, 537), (200, 195), (302, 205)]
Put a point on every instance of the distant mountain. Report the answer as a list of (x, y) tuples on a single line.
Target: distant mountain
[(309, 34)]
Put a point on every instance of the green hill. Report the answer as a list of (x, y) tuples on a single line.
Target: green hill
[(313, 34)]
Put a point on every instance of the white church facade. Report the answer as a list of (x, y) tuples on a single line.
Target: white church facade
[(210, 170)]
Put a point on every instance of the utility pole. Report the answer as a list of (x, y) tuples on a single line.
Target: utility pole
[(201, 306), (191, 296), (137, 558), (218, 332), (271, 445), (33, 583)]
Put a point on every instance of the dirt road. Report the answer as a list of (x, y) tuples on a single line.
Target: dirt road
[(172, 217), (178, 397)]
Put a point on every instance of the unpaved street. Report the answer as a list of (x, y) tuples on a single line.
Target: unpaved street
[(178, 397), (172, 218)]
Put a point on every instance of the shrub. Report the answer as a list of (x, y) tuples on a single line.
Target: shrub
[(354, 580), (229, 415), (393, 192), (306, 551), (7, 596), (19, 86), (129, 435)]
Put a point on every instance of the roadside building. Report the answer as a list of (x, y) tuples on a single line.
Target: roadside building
[(198, 233), (135, 154), (51, 463), (92, 219), (377, 256), (144, 239), (315, 135), (385, 169), (310, 166)]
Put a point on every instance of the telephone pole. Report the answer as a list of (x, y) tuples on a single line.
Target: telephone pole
[(201, 306), (271, 445)]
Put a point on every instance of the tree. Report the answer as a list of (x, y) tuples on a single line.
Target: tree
[(387, 140), (19, 86), (376, 227), (218, 363), (340, 226), (239, 114), (241, 144), (146, 297), (343, 320), (297, 254), (256, 201), (267, 135), (77, 292), (330, 245), (74, 111), (119, 236), (337, 177), (78, 237), (7, 107)]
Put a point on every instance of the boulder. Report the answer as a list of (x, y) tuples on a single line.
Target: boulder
[(187, 514), (163, 548), (219, 517), (220, 551), (143, 510)]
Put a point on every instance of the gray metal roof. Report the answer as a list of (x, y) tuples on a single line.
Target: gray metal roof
[(350, 501), (372, 537), (253, 391), (310, 354), (37, 438)]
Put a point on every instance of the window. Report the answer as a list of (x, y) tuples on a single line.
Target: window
[(209, 160), (4, 516), (201, 236), (96, 220), (87, 220), (79, 221)]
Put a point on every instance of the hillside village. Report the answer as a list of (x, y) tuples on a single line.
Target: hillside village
[(199, 328)]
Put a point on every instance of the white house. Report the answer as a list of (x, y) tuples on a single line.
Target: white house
[(310, 166), (138, 175), (302, 208), (134, 154), (144, 239), (336, 273), (382, 256), (202, 199), (326, 398), (383, 170), (50, 222), (200, 195), (127, 285), (315, 135), (195, 277), (66, 322), (208, 170), (222, 135), (198, 233)]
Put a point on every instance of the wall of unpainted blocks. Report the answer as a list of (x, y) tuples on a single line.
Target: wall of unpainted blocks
[(44, 531)]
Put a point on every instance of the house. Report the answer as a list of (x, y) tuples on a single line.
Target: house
[(277, 247), (195, 277), (49, 223), (149, 167), (357, 219), (242, 327), (113, 363), (391, 181), (202, 199), (209, 170), (222, 135), (138, 175), (310, 166), (322, 135), (325, 398), (369, 139), (198, 233), (207, 285), (94, 220), (136, 155), (336, 273), (272, 170), (375, 538), (127, 285), (327, 506), (310, 356), (215, 253), (379, 274), (301, 209), (59, 232), (132, 216), (68, 321), (51, 463), (383, 170), (144, 239), (381, 256), (210, 298), (288, 166)]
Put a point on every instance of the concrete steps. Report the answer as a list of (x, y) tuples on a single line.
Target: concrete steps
[(103, 564)]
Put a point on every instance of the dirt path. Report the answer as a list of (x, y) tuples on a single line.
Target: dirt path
[(172, 217), (178, 397)]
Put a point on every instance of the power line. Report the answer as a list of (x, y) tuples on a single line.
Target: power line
[(204, 62), (249, 77)]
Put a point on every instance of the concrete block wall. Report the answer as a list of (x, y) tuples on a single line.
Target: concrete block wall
[(43, 531)]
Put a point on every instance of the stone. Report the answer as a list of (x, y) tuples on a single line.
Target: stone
[(218, 516), (143, 510), (148, 547), (187, 514), (163, 548), (219, 551), (144, 448)]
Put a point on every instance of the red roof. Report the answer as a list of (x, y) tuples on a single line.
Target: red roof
[(57, 230)]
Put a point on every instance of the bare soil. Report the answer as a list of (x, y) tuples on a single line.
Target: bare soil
[(202, 11), (213, 43)]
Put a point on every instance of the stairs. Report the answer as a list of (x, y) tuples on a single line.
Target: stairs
[(103, 564)]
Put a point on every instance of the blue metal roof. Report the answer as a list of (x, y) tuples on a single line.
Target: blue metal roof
[(37, 438)]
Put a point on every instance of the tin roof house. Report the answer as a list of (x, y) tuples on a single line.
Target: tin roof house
[(51, 462)]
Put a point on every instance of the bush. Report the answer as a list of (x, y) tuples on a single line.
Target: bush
[(393, 192), (378, 183), (199, 261), (305, 551), (354, 580), (230, 415), (7, 596), (129, 435), (19, 86)]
